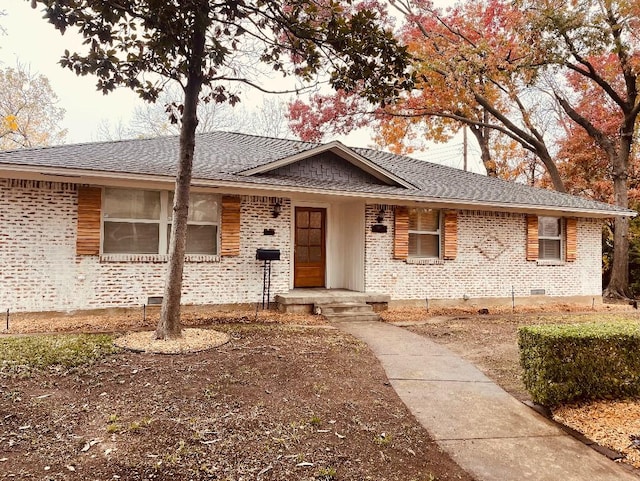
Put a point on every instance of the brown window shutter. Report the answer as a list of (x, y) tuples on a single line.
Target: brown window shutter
[(230, 226), (89, 219), (401, 233), (450, 234), (532, 238), (571, 246)]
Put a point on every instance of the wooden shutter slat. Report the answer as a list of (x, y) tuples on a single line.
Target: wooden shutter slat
[(532, 238), (230, 227), (401, 233), (450, 234), (89, 221), (571, 240)]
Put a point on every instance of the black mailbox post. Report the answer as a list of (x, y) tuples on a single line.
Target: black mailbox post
[(267, 255)]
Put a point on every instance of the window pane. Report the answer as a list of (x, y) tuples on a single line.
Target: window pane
[(202, 239), (302, 237), (202, 207), (549, 249), (424, 245), (315, 237), (549, 226), (424, 219), (131, 204), (302, 218), (130, 238), (315, 220)]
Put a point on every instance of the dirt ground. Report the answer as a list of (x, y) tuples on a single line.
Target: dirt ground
[(280, 401), (276, 402)]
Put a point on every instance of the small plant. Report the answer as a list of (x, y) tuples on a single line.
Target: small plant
[(383, 439), (136, 426), (112, 424), (326, 474), (315, 420), (320, 388), (113, 428), (212, 390)]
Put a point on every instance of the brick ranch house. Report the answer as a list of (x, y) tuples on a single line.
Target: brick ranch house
[(86, 226)]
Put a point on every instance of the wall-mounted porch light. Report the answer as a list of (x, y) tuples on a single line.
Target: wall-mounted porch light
[(379, 227), (277, 208)]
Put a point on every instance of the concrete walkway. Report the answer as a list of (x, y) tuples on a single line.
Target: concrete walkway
[(485, 430)]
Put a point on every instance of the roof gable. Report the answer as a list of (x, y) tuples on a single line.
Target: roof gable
[(325, 166), (343, 161)]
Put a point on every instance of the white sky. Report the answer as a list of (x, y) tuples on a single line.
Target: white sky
[(32, 41)]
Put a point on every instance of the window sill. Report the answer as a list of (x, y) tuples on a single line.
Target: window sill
[(551, 262), (427, 261), (157, 258)]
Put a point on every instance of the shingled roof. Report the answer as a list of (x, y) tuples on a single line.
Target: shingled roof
[(224, 158)]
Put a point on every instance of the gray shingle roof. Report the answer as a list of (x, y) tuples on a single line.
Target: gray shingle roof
[(222, 156)]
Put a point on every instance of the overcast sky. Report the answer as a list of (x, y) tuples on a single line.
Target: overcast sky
[(32, 41)]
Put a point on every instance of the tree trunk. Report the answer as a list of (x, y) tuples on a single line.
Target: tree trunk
[(552, 169), (619, 282), (482, 137), (169, 325)]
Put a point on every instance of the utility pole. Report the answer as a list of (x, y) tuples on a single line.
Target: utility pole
[(464, 147)]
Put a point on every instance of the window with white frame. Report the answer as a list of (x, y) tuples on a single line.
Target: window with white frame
[(550, 238), (424, 232), (139, 222)]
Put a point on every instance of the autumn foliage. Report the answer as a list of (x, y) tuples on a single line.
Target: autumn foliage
[(29, 114), (474, 65)]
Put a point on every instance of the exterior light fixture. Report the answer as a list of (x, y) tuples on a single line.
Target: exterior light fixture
[(379, 227), (277, 208)]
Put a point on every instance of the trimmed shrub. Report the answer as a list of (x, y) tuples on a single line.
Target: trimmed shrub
[(572, 362)]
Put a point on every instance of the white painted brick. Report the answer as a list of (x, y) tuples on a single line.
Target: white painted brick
[(39, 270), (474, 273)]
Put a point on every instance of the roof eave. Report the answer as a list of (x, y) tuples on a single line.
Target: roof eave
[(108, 178)]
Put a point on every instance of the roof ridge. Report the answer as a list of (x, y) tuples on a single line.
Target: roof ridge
[(161, 137), (258, 136)]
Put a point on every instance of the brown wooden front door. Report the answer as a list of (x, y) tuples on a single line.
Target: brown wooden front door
[(310, 252)]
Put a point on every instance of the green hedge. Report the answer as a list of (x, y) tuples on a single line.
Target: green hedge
[(572, 362)]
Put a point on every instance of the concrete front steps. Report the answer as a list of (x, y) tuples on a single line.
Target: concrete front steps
[(311, 300), (347, 311)]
